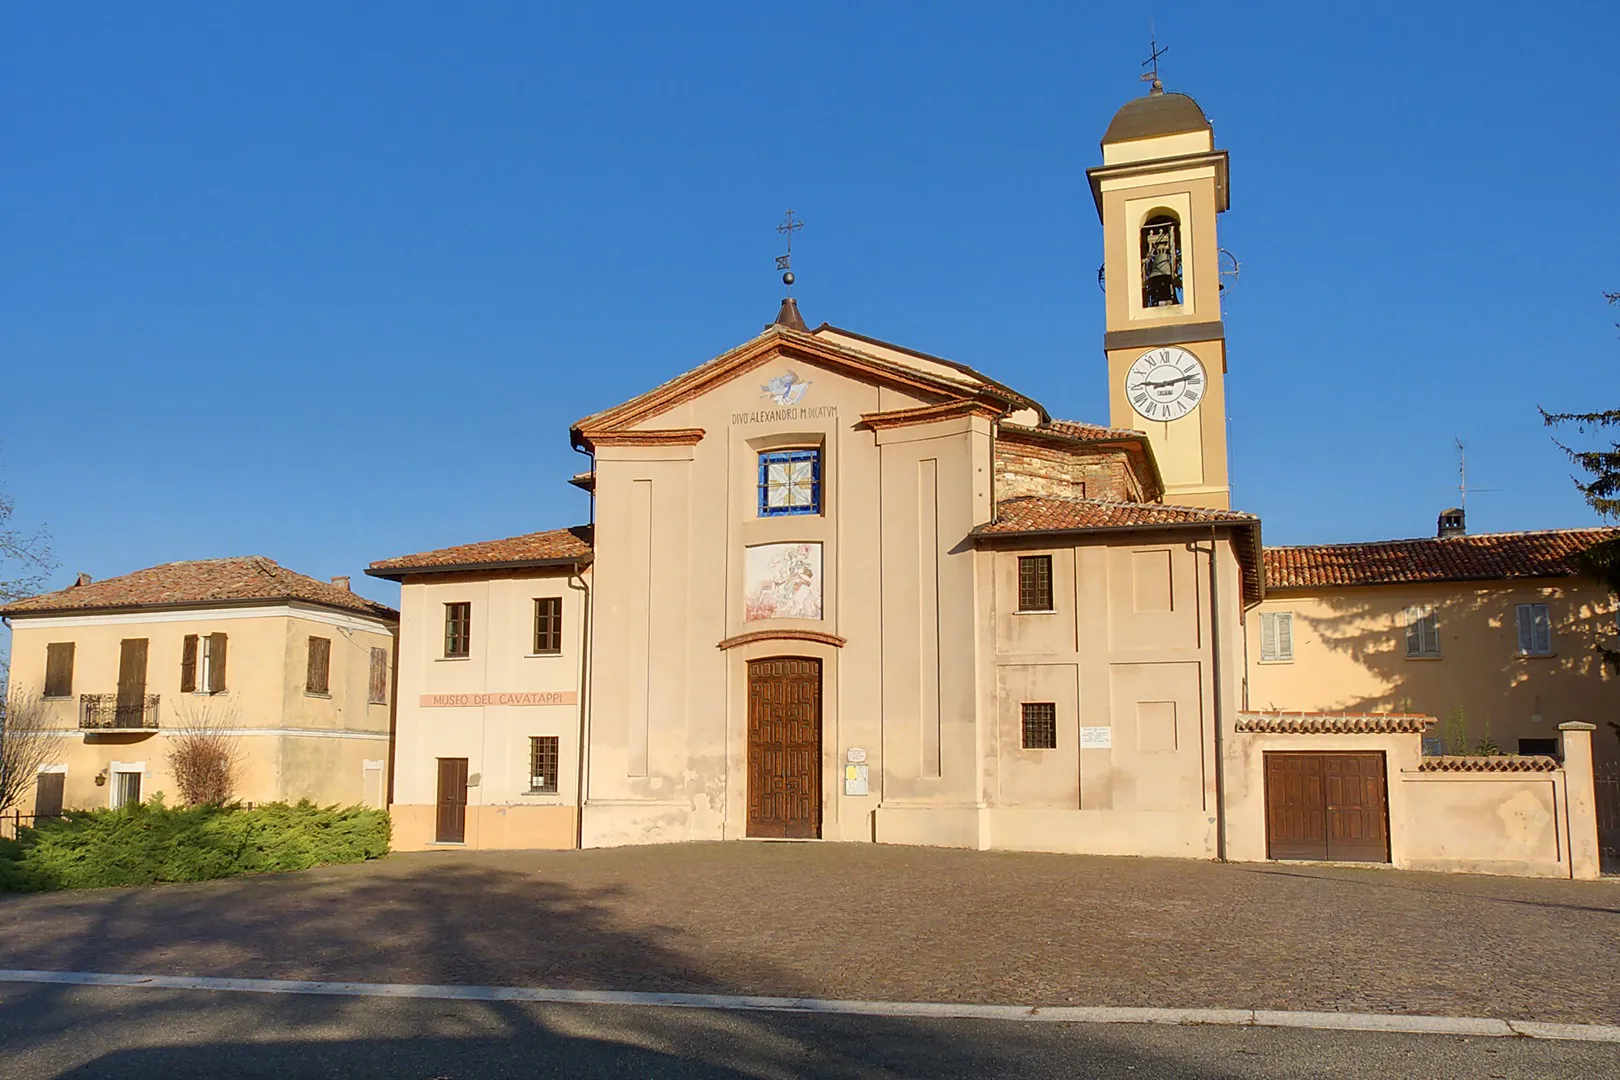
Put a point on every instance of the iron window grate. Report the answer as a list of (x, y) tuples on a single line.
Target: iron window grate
[(543, 764), (1040, 725)]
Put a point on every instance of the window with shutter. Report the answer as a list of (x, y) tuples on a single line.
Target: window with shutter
[(378, 694), (214, 650), (188, 664), (318, 678), (1535, 630), (1422, 632), (59, 669), (1276, 636), (548, 624)]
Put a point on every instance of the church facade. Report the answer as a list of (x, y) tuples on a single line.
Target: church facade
[(835, 588)]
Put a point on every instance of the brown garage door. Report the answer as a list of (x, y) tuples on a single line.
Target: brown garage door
[(1326, 806)]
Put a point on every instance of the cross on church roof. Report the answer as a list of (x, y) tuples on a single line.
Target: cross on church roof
[(1153, 75)]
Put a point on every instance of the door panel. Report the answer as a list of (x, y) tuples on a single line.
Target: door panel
[(1328, 806), (452, 818), (784, 747), (48, 795)]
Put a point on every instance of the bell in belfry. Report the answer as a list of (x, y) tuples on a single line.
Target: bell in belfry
[(1161, 263)]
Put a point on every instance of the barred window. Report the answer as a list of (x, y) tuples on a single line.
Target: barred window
[(789, 482), (543, 765), (1035, 583), (548, 624), (458, 629), (1040, 725)]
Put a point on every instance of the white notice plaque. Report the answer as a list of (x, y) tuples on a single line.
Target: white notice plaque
[(1096, 738), (855, 780), (855, 754)]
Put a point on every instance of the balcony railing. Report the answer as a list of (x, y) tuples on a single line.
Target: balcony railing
[(105, 712)]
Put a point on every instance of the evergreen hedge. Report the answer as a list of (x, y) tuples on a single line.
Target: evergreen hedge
[(147, 843)]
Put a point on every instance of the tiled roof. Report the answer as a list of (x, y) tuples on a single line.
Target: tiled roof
[(1031, 513), (1332, 723), (1499, 763), (199, 583), (1487, 556), (1079, 429), (552, 546)]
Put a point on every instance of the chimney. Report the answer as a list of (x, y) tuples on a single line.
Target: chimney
[(1452, 523), (342, 582), (84, 579)]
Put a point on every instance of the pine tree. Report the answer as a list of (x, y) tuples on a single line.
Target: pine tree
[(1601, 489)]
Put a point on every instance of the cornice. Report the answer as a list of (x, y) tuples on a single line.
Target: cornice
[(657, 437), (927, 414), (819, 636)]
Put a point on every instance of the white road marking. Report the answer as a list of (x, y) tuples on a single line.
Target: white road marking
[(1071, 1014)]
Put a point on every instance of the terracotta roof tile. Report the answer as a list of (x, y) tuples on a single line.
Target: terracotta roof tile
[(552, 546), (198, 583), (1079, 429), (1332, 723), (1497, 763), (1031, 513), (1486, 556)]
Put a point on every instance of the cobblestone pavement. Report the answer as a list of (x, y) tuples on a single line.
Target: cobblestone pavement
[(869, 921)]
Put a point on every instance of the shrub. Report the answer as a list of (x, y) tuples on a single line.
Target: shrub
[(145, 843)]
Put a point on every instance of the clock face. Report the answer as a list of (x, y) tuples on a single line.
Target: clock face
[(1165, 384)]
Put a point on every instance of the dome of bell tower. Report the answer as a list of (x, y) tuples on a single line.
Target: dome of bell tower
[(1155, 114)]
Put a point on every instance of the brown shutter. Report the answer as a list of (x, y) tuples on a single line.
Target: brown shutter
[(188, 664), (59, 669), (132, 672), (318, 678), (216, 663), (379, 676)]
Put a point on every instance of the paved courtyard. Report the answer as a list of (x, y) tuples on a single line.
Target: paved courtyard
[(867, 921)]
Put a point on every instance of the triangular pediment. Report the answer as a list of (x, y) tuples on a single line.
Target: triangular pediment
[(927, 383)]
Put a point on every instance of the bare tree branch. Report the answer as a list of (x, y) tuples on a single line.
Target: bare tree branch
[(204, 753), (27, 741)]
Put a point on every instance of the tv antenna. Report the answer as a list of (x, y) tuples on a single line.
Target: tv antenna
[(1462, 477)]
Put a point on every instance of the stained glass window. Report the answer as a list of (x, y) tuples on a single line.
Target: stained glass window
[(789, 482)]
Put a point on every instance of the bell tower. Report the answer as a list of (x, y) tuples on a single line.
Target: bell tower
[(1158, 191)]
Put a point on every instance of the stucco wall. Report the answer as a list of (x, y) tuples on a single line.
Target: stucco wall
[(494, 738), (1350, 654)]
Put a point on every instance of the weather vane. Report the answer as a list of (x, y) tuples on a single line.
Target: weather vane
[(784, 263), (1152, 76)]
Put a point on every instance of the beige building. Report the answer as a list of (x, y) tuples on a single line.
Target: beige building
[(1493, 634), (298, 671), (837, 588)]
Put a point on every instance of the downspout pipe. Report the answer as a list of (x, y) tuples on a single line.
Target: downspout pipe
[(587, 636), (1215, 687)]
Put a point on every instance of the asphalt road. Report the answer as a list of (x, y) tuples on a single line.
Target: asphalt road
[(78, 1032)]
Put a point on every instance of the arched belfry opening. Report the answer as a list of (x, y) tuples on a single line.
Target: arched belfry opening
[(1161, 260)]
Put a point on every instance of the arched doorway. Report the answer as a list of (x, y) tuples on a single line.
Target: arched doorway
[(784, 747)]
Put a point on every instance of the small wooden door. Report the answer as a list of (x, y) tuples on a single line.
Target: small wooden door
[(452, 824), (131, 682), (1328, 806), (784, 747), (48, 795)]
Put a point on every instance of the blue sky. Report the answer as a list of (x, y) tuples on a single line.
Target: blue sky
[(329, 282)]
